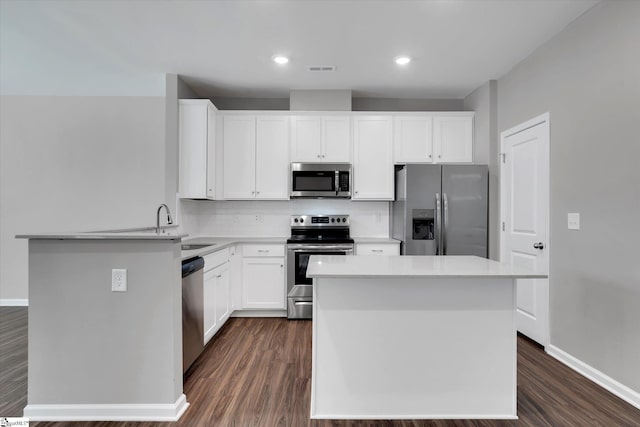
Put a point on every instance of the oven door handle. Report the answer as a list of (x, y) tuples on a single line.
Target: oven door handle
[(319, 248)]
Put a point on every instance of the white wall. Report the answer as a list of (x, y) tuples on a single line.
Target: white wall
[(587, 78), (272, 218), (74, 164)]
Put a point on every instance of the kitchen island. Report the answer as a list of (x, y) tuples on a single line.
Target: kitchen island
[(413, 337)]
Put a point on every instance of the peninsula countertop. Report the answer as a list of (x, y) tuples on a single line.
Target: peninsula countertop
[(414, 266)]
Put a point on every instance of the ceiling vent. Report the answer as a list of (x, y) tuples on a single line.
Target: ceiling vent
[(321, 68)]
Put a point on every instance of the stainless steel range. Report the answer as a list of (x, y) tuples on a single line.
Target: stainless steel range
[(312, 235)]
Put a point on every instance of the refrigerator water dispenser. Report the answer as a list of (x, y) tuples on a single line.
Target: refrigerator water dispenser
[(423, 224)]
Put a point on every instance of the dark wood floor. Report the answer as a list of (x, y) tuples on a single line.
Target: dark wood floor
[(256, 372)]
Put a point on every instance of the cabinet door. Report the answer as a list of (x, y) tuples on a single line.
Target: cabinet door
[(196, 145), (306, 139), (272, 158), (453, 139), (373, 158), (211, 153), (336, 139), (413, 139), (377, 248), (263, 283), (239, 136), (223, 296), (209, 304)]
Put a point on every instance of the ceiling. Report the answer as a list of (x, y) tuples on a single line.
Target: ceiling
[(225, 48)]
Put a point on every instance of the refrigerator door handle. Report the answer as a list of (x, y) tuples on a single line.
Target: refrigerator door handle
[(445, 221), (438, 226)]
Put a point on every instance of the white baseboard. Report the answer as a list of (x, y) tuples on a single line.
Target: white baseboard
[(17, 302), (622, 391), (111, 412), (259, 313)]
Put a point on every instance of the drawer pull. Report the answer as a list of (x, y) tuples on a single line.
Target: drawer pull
[(377, 250), (263, 250)]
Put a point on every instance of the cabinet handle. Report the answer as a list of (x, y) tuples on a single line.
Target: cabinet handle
[(318, 156), (323, 156), (281, 265), (376, 250), (253, 192), (439, 156), (429, 155), (263, 250), (219, 275)]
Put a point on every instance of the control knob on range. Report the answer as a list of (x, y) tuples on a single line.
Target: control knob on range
[(295, 220), (344, 219), (333, 220), (301, 220)]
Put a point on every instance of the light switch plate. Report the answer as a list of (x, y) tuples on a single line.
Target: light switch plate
[(573, 221)]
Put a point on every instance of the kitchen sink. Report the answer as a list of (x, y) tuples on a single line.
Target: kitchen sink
[(193, 246)]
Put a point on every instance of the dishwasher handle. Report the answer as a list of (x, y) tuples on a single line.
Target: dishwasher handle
[(191, 265)]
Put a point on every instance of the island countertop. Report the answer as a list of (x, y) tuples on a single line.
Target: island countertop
[(414, 266)]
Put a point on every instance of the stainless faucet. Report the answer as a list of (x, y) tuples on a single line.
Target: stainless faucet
[(169, 219)]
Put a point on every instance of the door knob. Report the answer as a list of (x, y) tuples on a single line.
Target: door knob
[(538, 245)]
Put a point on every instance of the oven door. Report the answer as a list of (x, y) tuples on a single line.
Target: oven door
[(299, 286)]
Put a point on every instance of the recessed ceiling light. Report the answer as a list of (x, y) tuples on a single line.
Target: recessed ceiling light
[(402, 60), (279, 59)]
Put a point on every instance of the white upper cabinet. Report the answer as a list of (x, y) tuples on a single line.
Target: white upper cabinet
[(239, 141), (453, 138), (256, 157), (373, 158), (272, 158), (413, 139), (197, 149), (433, 138), (321, 139)]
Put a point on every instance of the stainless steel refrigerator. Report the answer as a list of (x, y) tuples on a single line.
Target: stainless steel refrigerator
[(441, 210)]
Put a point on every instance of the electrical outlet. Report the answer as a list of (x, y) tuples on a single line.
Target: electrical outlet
[(119, 280), (573, 221), (258, 217)]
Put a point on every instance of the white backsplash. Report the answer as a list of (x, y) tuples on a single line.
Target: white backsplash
[(271, 218)]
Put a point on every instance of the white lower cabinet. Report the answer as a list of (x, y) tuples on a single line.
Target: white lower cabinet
[(263, 285), (216, 292)]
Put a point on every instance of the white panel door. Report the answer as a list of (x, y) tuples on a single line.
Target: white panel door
[(272, 158), (336, 139), (413, 139), (525, 216), (263, 283), (239, 136), (372, 158), (453, 139), (306, 139)]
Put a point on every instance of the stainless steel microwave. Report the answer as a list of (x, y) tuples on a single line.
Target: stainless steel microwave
[(321, 180)]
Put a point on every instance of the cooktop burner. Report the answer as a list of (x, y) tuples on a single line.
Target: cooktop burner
[(320, 229)]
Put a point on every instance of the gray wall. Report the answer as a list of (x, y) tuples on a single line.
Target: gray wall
[(484, 101), (587, 77), (402, 104), (320, 100), (76, 163), (229, 103)]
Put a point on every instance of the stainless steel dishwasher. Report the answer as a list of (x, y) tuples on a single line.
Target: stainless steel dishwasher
[(192, 311)]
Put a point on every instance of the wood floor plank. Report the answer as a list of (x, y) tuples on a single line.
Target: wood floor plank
[(257, 372)]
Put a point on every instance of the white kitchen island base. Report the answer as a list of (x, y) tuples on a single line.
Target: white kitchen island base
[(415, 345)]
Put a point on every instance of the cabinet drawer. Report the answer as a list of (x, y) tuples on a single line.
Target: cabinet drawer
[(262, 250), (377, 249), (215, 259)]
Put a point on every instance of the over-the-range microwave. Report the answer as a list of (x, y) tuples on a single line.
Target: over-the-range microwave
[(321, 180)]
